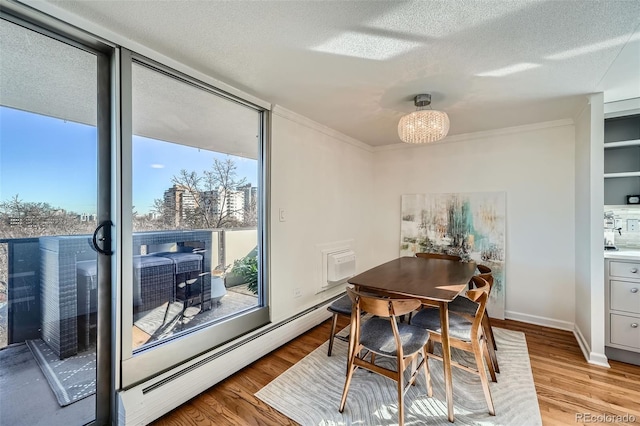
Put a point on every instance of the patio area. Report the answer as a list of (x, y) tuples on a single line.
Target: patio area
[(22, 378), (148, 326)]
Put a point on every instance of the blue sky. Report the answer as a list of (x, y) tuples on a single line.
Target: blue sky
[(44, 159)]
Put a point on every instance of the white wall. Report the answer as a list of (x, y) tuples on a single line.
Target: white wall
[(324, 182), (589, 266), (535, 166)]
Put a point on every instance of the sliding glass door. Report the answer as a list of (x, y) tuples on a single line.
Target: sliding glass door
[(54, 125), (195, 264), (98, 141)]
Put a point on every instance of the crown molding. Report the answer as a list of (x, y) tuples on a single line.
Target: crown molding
[(307, 122), (482, 135)]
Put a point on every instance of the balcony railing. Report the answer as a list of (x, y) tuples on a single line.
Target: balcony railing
[(39, 290)]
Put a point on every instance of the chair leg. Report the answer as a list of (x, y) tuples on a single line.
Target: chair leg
[(427, 373), (430, 345), (350, 369), (487, 358), (414, 369), (166, 312), (477, 352), (334, 322), (488, 333), (185, 304), (493, 340), (400, 382)]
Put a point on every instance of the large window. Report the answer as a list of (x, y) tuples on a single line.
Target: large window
[(196, 196)]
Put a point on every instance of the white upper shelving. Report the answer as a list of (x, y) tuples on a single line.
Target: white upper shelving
[(620, 144)]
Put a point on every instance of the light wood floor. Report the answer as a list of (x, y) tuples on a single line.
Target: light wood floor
[(566, 384)]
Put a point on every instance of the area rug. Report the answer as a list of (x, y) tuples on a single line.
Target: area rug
[(310, 391), (71, 379)]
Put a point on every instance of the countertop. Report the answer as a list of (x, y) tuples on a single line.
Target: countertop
[(623, 253)]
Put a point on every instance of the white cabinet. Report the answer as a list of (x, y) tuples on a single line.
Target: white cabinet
[(621, 158), (624, 296), (624, 269), (623, 310), (625, 331)]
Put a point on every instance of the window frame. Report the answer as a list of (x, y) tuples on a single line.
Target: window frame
[(141, 365)]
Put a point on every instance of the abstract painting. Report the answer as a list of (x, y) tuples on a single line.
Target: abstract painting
[(470, 225)]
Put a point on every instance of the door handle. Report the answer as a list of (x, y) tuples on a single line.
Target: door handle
[(105, 239)]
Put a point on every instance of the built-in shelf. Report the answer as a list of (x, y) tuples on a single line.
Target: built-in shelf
[(633, 142), (621, 158), (621, 175)]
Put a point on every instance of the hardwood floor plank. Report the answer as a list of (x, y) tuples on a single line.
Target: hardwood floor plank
[(567, 386)]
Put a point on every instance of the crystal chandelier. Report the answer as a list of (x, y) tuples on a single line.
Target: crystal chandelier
[(423, 125)]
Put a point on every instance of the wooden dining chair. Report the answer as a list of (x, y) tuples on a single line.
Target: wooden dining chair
[(463, 304), (439, 256), (383, 335), (465, 333)]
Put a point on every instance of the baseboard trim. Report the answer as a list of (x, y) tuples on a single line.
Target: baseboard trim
[(136, 407), (537, 320), (591, 357)]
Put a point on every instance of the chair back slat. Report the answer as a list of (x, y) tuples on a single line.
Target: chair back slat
[(488, 278), (382, 306), (485, 272), (438, 256), (481, 287), (483, 269)]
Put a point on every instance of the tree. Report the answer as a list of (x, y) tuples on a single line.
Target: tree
[(206, 200), (20, 219)]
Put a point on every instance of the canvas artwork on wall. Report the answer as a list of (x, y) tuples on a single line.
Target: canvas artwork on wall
[(471, 225)]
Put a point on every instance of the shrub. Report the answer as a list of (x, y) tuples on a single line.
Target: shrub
[(247, 268)]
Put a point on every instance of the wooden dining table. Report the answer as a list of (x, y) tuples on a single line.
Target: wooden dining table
[(434, 281)]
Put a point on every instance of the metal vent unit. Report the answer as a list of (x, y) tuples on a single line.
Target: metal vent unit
[(341, 266)]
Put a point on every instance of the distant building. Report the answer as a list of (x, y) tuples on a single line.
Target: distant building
[(217, 203), (84, 217), (250, 201), (178, 201)]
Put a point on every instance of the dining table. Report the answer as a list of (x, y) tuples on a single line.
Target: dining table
[(433, 281)]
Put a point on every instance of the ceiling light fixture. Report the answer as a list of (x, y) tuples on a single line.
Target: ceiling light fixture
[(423, 125)]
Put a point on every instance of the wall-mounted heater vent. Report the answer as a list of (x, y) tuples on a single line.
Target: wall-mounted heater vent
[(337, 264), (341, 266)]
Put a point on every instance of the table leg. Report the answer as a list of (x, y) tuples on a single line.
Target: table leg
[(446, 356)]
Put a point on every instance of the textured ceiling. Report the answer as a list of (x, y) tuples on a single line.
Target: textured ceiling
[(42, 75), (355, 66)]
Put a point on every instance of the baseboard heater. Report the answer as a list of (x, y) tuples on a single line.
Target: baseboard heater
[(146, 402)]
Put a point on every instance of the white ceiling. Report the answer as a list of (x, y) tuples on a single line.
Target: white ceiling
[(355, 66)]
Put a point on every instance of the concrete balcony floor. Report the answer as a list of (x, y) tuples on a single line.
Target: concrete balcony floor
[(25, 395)]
